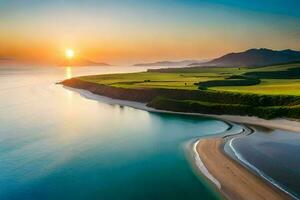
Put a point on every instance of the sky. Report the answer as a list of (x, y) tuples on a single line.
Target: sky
[(131, 31)]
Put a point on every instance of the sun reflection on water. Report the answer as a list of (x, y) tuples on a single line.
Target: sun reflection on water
[(68, 72), (69, 75)]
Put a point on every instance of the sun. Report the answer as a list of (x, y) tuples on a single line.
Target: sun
[(69, 53)]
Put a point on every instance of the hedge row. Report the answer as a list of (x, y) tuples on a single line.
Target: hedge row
[(231, 97), (268, 112), (230, 82), (293, 73)]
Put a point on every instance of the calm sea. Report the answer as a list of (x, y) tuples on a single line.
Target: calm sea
[(56, 144)]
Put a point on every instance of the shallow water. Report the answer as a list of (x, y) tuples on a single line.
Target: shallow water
[(56, 144), (274, 154)]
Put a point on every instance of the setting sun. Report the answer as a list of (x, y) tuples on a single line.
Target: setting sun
[(69, 53)]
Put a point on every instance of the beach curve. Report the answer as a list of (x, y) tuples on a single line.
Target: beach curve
[(236, 182)]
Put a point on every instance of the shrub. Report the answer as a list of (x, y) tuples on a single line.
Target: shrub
[(219, 108)]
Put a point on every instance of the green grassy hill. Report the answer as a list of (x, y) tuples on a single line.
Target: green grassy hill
[(273, 80), (266, 92)]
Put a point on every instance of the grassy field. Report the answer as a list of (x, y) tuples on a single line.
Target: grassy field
[(270, 86), (267, 92), (274, 80), (152, 80)]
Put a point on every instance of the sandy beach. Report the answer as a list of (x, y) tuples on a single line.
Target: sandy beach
[(235, 182)]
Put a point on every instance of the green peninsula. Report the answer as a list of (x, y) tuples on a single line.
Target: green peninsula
[(267, 92)]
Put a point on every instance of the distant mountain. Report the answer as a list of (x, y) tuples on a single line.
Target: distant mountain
[(170, 63), (4, 58), (253, 57), (11, 61), (76, 62), (81, 62)]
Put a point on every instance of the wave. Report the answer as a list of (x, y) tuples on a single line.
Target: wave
[(246, 163), (202, 167)]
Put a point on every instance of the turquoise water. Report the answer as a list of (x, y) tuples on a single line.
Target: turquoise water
[(56, 144)]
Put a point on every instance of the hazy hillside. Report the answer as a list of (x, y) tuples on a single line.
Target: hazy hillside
[(170, 63), (9, 61), (81, 62)]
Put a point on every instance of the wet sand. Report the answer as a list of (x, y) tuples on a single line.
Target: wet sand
[(235, 181)]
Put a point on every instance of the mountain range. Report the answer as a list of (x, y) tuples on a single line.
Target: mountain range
[(253, 57)]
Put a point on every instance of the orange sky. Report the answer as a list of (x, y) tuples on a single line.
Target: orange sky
[(122, 34)]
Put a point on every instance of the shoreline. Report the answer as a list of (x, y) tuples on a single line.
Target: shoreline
[(256, 171), (278, 123), (202, 168), (283, 124), (255, 179), (236, 182)]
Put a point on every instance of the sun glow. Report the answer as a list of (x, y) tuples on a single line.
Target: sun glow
[(69, 53)]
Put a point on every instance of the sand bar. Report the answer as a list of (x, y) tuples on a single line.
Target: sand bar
[(236, 181)]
